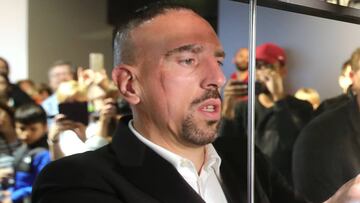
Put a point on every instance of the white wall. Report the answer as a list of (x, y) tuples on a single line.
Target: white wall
[(68, 30), (316, 47), (13, 36)]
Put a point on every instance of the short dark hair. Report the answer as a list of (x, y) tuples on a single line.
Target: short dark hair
[(123, 45), (30, 113)]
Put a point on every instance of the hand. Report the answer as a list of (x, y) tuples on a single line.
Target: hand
[(107, 113), (273, 82), (101, 79), (86, 77), (108, 110), (348, 193), (61, 124), (233, 93)]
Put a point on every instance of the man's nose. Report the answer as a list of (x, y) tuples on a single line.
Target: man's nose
[(213, 74)]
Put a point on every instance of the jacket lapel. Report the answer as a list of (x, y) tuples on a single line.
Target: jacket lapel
[(231, 184), (148, 171)]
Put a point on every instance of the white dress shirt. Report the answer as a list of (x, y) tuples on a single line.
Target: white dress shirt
[(207, 184)]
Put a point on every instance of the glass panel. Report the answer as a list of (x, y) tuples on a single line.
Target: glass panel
[(315, 49)]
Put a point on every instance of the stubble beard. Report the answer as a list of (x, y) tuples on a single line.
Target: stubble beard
[(193, 134), (200, 134)]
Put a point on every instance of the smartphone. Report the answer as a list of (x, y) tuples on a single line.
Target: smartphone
[(75, 111), (96, 61)]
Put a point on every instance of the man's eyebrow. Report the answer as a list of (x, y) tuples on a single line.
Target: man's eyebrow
[(186, 48), (219, 53)]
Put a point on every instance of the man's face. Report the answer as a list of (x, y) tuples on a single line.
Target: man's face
[(30, 133), (59, 74), (241, 59), (179, 77), (265, 70)]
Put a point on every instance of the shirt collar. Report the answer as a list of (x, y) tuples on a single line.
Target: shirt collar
[(212, 158)]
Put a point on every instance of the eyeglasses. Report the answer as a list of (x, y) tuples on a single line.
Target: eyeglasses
[(263, 65)]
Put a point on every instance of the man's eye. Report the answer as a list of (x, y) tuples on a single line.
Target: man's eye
[(189, 61), (221, 63)]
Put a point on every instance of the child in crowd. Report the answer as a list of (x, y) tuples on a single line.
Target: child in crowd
[(33, 155)]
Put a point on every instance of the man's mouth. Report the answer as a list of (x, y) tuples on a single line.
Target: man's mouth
[(209, 104), (209, 108)]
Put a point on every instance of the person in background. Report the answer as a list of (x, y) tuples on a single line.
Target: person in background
[(29, 87), (14, 91), (4, 90), (44, 91), (8, 145), (4, 66), (235, 89), (326, 154), (310, 95), (8, 95), (279, 117), (32, 156), (66, 136), (345, 80), (60, 71), (347, 87), (9, 141), (241, 61)]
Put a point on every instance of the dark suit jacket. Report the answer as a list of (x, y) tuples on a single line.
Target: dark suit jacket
[(128, 171), (326, 154)]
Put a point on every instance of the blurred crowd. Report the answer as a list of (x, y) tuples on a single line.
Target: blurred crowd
[(76, 111), (314, 145)]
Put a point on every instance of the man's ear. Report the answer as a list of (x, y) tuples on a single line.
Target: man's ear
[(123, 78)]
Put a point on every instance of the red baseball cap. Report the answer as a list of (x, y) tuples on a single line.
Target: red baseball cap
[(270, 53)]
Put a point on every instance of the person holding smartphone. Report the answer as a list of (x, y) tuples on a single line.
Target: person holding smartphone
[(236, 89), (60, 71), (75, 129), (279, 117)]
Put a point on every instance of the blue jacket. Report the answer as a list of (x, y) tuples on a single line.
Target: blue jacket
[(30, 165)]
